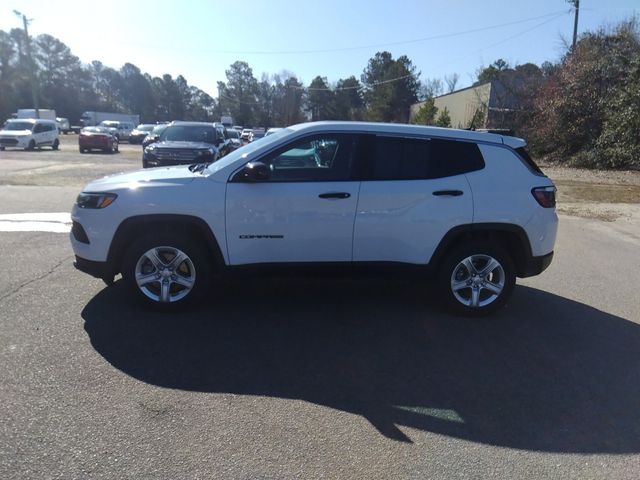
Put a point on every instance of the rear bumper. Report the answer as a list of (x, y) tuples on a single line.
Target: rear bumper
[(95, 144), (535, 265), (95, 269)]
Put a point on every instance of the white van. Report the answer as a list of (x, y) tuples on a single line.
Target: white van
[(29, 133)]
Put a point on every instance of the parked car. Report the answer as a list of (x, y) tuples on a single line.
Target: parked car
[(234, 139), (100, 138), (154, 135), (245, 136), (121, 130), (185, 143), (256, 134), (29, 133), (139, 133), (63, 125), (430, 199)]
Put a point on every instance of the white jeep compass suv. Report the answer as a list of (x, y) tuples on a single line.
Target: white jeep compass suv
[(471, 209)]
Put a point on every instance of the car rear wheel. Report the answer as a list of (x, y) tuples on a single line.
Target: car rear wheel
[(166, 271), (477, 279)]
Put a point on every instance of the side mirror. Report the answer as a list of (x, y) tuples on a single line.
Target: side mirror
[(255, 172)]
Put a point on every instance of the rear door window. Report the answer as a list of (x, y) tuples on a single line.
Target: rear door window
[(396, 158)]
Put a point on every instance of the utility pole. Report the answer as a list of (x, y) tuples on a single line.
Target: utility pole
[(32, 79), (576, 4)]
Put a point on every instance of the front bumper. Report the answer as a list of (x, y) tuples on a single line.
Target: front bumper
[(151, 160), (17, 142), (95, 269), (535, 265)]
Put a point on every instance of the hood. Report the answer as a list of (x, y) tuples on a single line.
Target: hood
[(149, 177), (15, 133), (189, 145)]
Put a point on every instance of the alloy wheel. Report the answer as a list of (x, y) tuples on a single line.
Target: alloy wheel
[(165, 274), (477, 281)]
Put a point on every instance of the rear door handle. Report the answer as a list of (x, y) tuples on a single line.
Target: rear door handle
[(335, 195), (449, 193)]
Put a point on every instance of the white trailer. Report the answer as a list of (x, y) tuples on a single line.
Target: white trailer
[(44, 113), (89, 119)]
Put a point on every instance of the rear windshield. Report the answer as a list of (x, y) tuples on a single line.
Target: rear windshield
[(524, 154)]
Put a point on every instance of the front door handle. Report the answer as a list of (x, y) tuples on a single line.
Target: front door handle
[(449, 193), (335, 195)]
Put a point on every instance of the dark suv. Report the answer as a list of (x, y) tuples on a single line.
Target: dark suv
[(186, 143)]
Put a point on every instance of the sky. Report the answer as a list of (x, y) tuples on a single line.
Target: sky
[(199, 39)]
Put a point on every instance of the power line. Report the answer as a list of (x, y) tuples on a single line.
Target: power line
[(397, 79), (519, 34), (361, 47)]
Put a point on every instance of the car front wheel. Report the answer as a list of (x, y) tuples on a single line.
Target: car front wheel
[(166, 271), (477, 279)]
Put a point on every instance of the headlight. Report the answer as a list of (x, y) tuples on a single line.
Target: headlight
[(208, 152), (95, 200), (149, 149)]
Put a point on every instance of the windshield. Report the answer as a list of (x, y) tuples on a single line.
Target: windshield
[(109, 124), (247, 150), (188, 133), (145, 128), (95, 130), (233, 134), (158, 129), (18, 126)]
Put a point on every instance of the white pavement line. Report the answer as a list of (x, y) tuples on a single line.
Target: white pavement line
[(56, 222)]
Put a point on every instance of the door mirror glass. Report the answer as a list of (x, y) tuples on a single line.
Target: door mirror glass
[(255, 172)]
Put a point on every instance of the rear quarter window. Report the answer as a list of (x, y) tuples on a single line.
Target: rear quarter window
[(524, 155)]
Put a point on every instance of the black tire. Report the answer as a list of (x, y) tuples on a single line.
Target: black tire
[(1, 149), (31, 146), (56, 144), (115, 148), (82, 150), (453, 270), (197, 267)]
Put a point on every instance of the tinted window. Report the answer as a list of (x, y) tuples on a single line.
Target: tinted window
[(318, 158), (449, 157), (189, 133), (524, 154), (415, 159)]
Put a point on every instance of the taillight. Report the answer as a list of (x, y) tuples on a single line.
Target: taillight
[(545, 196)]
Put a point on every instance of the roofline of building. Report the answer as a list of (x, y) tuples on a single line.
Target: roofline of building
[(462, 90)]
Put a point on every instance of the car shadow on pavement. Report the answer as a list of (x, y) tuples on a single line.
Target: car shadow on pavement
[(546, 373)]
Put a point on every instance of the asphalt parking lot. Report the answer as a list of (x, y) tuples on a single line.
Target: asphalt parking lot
[(309, 377)]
